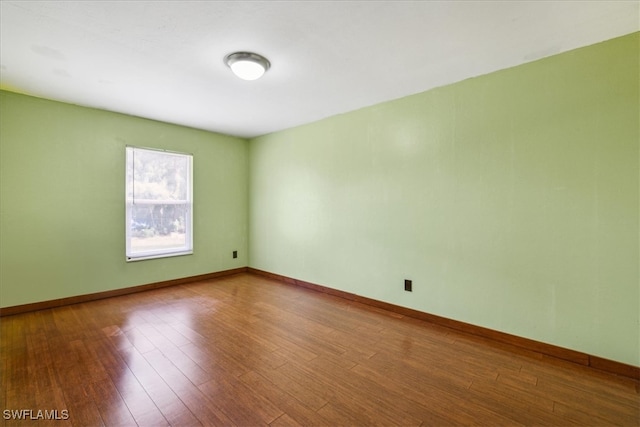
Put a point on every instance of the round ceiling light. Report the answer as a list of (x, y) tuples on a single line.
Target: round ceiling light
[(247, 65)]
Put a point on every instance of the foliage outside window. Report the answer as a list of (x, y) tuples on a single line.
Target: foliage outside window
[(159, 204)]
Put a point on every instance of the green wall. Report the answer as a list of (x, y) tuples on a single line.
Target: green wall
[(62, 200), (510, 200)]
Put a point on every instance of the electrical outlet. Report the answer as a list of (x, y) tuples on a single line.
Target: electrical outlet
[(408, 285), (235, 254)]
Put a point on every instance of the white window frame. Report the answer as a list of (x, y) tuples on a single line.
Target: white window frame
[(187, 249)]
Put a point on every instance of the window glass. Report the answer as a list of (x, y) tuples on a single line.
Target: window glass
[(159, 204)]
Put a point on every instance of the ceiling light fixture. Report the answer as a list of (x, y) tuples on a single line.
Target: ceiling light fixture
[(247, 65)]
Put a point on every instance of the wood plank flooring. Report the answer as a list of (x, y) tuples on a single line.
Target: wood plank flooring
[(248, 351)]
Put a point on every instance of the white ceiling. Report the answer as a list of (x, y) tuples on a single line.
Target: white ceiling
[(163, 60)]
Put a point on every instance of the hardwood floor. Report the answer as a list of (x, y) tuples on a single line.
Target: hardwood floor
[(245, 350)]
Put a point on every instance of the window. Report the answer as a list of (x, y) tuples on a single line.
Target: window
[(159, 204)]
